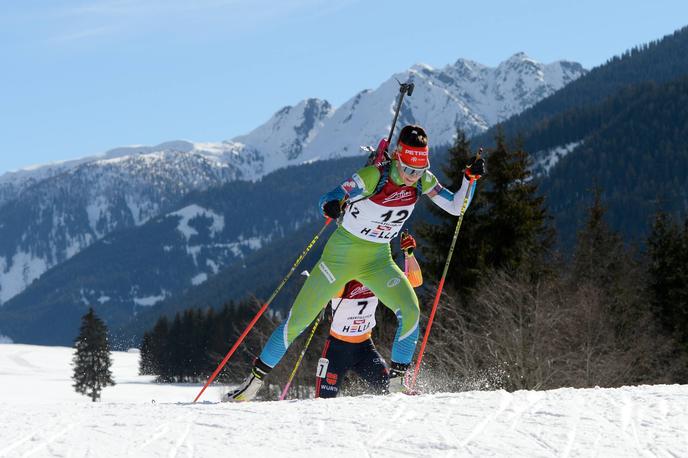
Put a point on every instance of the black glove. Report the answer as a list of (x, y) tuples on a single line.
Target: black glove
[(475, 168), (332, 209)]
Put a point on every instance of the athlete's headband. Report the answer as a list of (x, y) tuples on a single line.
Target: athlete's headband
[(414, 156)]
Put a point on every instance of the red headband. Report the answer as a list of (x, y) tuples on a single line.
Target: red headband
[(413, 156)]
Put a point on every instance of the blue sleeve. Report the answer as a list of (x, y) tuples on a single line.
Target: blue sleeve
[(348, 189)]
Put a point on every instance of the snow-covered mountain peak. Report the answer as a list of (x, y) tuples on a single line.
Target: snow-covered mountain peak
[(283, 137), (421, 68), (465, 67), (27, 176), (520, 65), (175, 145), (518, 58), (467, 95), (562, 72)]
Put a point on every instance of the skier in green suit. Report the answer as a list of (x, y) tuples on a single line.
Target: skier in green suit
[(371, 207)]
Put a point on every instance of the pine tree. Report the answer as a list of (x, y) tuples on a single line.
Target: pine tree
[(668, 276), (146, 363), (602, 261), (92, 357), (437, 235), (159, 350), (505, 227), (597, 250), (516, 230)]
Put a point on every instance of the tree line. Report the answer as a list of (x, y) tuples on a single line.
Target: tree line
[(519, 314)]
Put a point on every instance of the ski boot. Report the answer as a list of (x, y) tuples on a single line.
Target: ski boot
[(398, 380), (249, 388)]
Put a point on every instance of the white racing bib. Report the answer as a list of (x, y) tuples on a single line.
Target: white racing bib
[(380, 217), (354, 317)]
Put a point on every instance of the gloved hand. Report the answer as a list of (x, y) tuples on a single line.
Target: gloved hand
[(475, 168), (397, 375), (332, 209), (408, 243)]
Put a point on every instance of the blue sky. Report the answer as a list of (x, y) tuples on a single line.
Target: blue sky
[(81, 77)]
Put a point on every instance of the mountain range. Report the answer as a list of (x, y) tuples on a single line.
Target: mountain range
[(50, 213), (621, 126), (620, 129)]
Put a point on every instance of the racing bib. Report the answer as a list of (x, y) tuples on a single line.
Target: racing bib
[(354, 317), (380, 217)]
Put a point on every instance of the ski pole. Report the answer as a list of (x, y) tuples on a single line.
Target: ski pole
[(382, 147), (444, 275), (404, 88), (303, 352), (262, 310)]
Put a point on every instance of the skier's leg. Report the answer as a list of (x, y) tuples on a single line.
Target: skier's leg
[(335, 268), (339, 361), (393, 289), (314, 295), (372, 368)]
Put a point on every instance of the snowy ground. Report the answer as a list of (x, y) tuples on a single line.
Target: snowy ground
[(41, 415)]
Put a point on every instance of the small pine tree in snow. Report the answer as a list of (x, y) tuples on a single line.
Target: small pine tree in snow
[(92, 357)]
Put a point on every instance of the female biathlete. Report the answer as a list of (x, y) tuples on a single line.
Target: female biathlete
[(350, 347), (379, 199)]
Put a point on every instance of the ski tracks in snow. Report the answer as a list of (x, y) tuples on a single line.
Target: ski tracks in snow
[(174, 432), (39, 441), (637, 422), (506, 399), (633, 421), (527, 422)]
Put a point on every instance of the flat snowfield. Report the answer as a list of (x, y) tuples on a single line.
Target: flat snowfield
[(41, 415)]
